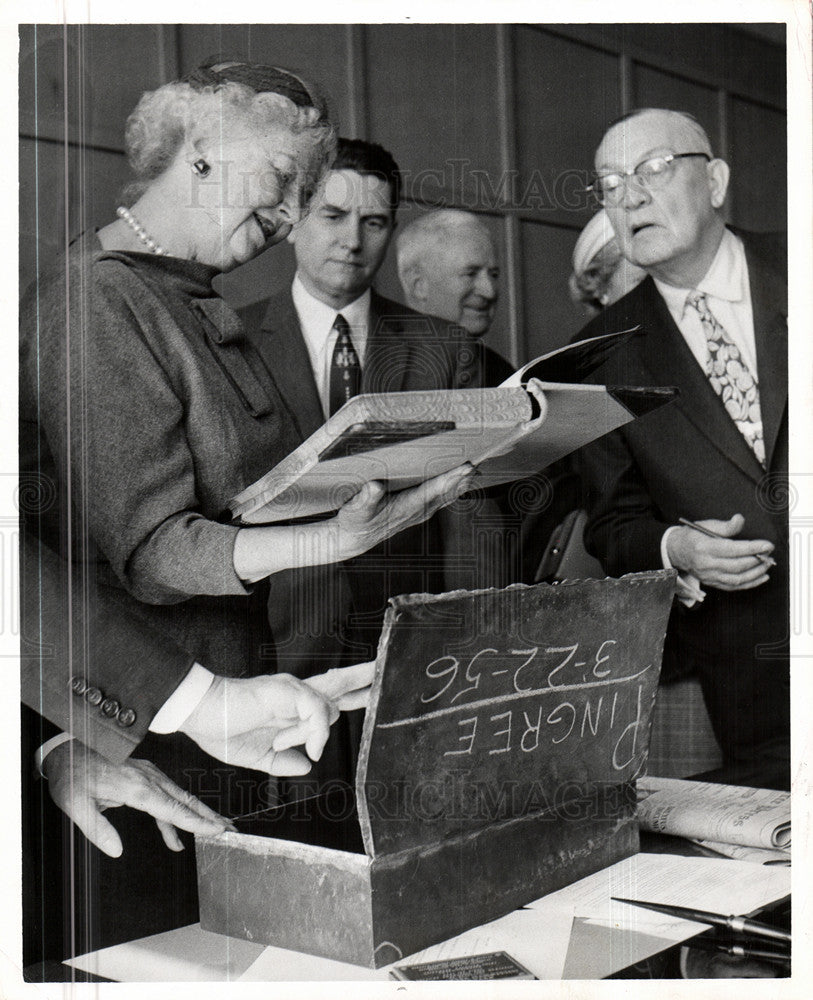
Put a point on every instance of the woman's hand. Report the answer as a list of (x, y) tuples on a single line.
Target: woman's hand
[(373, 515), (83, 783)]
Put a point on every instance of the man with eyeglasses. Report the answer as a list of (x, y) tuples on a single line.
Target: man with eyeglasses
[(712, 312)]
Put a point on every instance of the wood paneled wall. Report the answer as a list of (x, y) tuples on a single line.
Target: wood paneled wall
[(500, 119)]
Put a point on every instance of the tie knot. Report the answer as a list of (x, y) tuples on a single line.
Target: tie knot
[(340, 325), (697, 300)]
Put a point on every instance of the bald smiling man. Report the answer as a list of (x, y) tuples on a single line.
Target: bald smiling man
[(447, 266)]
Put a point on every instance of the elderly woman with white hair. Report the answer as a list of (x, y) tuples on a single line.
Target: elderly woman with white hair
[(143, 400), (601, 275)]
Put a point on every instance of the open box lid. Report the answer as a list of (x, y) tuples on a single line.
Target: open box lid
[(492, 705)]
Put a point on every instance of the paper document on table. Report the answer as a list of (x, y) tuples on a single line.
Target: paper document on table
[(608, 936), (537, 940), (186, 955), (721, 885), (279, 965), (752, 817)]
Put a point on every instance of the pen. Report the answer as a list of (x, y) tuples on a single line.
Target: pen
[(739, 950), (765, 560), (739, 925)]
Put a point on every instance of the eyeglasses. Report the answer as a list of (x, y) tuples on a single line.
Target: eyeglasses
[(652, 174)]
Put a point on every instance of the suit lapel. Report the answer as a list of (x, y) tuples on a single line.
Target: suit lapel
[(282, 346), (388, 354), (769, 304), (667, 356)]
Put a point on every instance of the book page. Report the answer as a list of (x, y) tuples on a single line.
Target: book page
[(571, 362), (752, 817)]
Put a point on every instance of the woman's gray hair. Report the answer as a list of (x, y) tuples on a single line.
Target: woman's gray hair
[(164, 118)]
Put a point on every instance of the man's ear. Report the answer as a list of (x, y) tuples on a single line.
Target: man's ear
[(413, 284), (718, 174), (420, 286)]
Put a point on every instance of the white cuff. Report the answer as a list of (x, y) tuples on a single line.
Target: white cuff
[(46, 748), (689, 591), (664, 550), (183, 701)]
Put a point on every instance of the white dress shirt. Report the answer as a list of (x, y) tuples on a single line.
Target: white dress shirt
[(316, 322), (728, 295)]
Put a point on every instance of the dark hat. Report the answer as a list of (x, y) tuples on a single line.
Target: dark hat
[(263, 79)]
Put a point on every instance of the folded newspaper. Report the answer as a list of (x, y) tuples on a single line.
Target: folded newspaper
[(723, 814)]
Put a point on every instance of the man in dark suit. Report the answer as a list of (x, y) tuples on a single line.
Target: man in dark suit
[(332, 316), (712, 312)]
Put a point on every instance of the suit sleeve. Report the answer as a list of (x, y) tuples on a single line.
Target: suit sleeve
[(624, 528), (87, 664)]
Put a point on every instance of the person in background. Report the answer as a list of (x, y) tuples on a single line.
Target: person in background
[(713, 318), (146, 404), (601, 273), (448, 267)]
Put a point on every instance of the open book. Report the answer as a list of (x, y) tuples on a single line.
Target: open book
[(404, 438)]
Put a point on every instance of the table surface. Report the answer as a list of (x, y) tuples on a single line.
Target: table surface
[(594, 949)]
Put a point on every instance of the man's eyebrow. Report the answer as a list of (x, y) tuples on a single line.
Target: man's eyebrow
[(327, 207), (660, 150)]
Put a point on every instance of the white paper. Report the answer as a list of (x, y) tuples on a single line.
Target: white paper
[(609, 936), (539, 941), (278, 965), (718, 885), (187, 954)]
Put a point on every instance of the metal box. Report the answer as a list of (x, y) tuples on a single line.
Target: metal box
[(497, 764)]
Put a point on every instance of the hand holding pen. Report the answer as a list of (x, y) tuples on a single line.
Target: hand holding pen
[(710, 551)]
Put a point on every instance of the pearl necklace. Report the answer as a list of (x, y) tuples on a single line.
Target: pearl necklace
[(140, 231)]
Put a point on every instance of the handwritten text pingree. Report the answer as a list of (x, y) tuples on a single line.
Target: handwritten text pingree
[(521, 729), (517, 700)]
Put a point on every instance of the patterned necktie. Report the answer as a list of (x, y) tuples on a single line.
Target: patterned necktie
[(345, 370), (730, 377)]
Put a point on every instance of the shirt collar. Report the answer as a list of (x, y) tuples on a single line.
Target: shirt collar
[(315, 315), (726, 278)]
